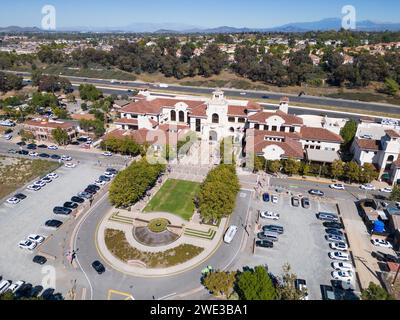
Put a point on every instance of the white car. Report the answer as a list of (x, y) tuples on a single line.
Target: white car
[(70, 165), (386, 190), (109, 174), (33, 187), (4, 285), (27, 244), (269, 215), (341, 246), (13, 200), (107, 154), (33, 154), (337, 186), (66, 158), (338, 255), (230, 234), (39, 183), (52, 175), (36, 238), (15, 286), (100, 183), (53, 147), (381, 243), (274, 199), (334, 238), (243, 93), (342, 266), (368, 187), (342, 275)]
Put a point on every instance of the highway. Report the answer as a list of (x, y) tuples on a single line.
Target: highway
[(363, 107)]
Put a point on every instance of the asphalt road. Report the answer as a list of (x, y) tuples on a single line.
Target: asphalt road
[(152, 288)]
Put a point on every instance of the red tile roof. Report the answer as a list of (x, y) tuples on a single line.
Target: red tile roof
[(367, 144), (237, 111), (49, 124), (320, 134), (262, 116), (392, 133), (127, 121)]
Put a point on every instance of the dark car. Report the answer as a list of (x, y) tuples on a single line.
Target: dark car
[(62, 211), (266, 197), (98, 266), (105, 178), (53, 223), (112, 170), (85, 195), (94, 187), (42, 146), (273, 228), (334, 232), (55, 157), (39, 260), (305, 202), (265, 97), (333, 225), (295, 201), (82, 139), (316, 192), (20, 196), (74, 143), (44, 155), (77, 199), (328, 217), (90, 191), (264, 244), (23, 152), (70, 205), (21, 144), (383, 257), (31, 146)]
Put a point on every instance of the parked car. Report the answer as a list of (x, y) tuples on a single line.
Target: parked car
[(39, 183), (341, 246), (266, 197), (27, 244), (15, 286), (384, 257), (12, 151), (337, 186), (94, 187), (112, 170), (31, 146), (52, 175), (342, 275), (296, 202), (62, 211), (53, 224), (334, 238), (66, 158), (335, 232), (305, 202), (333, 225), (273, 228), (386, 190), (91, 191), (274, 199), (301, 285), (4, 285), (39, 260), (70, 205), (77, 199), (52, 147), (44, 155), (23, 152), (381, 243), (264, 244), (33, 154), (33, 187), (13, 200), (42, 146), (46, 180), (109, 174), (70, 165), (100, 183), (36, 238), (20, 196), (230, 234), (105, 178), (268, 236), (316, 192), (269, 215), (342, 266), (338, 255), (98, 266), (107, 154), (85, 195), (367, 187), (21, 144), (55, 157), (328, 217)]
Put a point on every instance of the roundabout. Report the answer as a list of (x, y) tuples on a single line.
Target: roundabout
[(155, 234)]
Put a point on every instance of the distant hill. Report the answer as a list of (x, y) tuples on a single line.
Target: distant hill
[(16, 29)]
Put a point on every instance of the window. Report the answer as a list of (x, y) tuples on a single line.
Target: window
[(198, 125), (181, 116), (231, 119), (215, 118), (291, 129), (390, 158), (241, 120), (274, 128), (173, 115), (232, 129), (282, 129), (257, 126)]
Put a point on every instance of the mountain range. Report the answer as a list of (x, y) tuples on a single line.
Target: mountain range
[(321, 25)]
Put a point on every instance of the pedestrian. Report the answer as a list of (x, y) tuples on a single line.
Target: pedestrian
[(91, 202)]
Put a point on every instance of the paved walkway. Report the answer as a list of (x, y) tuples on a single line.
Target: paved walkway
[(137, 269)]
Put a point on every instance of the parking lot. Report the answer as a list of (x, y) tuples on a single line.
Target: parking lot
[(303, 244), (28, 217)]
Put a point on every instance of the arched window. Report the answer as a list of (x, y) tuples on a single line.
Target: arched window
[(215, 118), (181, 116), (390, 158), (173, 115), (232, 129)]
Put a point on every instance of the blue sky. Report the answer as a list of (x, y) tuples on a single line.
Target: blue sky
[(207, 13)]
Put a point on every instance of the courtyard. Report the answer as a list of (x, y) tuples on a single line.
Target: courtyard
[(176, 197)]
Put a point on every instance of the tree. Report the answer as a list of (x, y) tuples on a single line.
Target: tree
[(274, 166), (291, 166), (337, 169), (352, 171), (348, 132), (395, 195), (305, 169), (368, 173), (220, 283), (375, 292), (60, 136), (89, 92), (125, 146), (391, 86), (9, 81), (256, 285), (26, 135), (260, 163), (287, 290)]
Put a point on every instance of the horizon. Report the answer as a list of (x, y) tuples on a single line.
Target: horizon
[(204, 15)]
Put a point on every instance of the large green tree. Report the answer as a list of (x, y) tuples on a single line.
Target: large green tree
[(375, 292), (287, 289), (89, 92), (348, 133), (395, 195), (60, 136), (220, 283), (256, 285)]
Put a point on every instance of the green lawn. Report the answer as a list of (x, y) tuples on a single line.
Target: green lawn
[(175, 196)]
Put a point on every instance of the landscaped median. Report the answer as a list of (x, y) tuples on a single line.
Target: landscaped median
[(118, 245)]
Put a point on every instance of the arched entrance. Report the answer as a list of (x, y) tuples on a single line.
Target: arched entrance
[(213, 136)]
